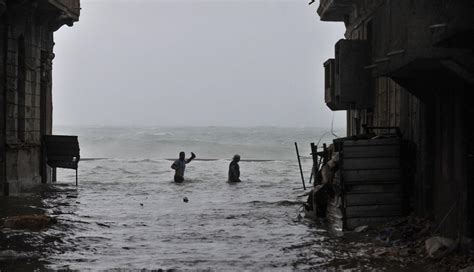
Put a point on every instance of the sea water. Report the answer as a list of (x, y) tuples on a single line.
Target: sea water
[(127, 212)]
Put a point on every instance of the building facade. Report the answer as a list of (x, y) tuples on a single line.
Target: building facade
[(409, 65), (26, 46)]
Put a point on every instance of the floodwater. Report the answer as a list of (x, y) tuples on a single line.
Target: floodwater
[(128, 214)]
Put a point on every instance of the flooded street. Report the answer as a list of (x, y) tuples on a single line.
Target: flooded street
[(121, 218), (135, 217), (128, 213)]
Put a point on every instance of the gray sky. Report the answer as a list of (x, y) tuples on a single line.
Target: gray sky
[(194, 62)]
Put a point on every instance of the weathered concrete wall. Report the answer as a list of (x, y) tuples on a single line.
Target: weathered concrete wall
[(416, 89), (26, 41), (3, 157), (26, 95)]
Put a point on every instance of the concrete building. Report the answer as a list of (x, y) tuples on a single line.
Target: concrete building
[(26, 48), (410, 64)]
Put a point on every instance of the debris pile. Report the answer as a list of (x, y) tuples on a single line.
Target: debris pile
[(411, 239)]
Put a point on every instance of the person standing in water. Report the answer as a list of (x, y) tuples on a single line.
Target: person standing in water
[(179, 166), (234, 169)]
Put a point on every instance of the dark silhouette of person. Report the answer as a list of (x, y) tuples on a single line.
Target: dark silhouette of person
[(179, 166), (234, 169)]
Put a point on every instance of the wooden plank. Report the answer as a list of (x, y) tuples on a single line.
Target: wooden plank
[(372, 199), (63, 152), (374, 211), (371, 151), (352, 223), (372, 188), (372, 142), (370, 163), (63, 164), (374, 175)]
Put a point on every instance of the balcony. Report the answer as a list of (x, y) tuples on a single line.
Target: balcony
[(347, 82), (351, 78), (424, 41), (334, 10), (61, 12), (454, 27), (330, 96)]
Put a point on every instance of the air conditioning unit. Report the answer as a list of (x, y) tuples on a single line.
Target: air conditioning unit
[(330, 96), (353, 81)]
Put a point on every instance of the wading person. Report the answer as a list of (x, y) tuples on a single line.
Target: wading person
[(179, 166), (234, 169)]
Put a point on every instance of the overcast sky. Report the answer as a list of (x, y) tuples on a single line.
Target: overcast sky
[(194, 62)]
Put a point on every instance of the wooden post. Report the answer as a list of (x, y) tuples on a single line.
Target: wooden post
[(77, 180), (299, 162), (314, 154), (326, 155), (55, 176)]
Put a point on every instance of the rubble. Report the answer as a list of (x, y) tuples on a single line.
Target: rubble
[(438, 245), (411, 239)]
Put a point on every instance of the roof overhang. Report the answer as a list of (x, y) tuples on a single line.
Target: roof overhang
[(334, 10)]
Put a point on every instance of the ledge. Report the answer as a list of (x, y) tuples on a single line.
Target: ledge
[(334, 10), (69, 12), (70, 8)]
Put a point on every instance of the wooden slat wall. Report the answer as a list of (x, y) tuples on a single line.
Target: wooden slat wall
[(371, 177)]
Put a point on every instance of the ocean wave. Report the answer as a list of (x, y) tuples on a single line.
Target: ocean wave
[(94, 159), (142, 161), (276, 203)]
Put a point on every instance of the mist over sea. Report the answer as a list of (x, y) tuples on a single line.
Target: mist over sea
[(128, 213), (269, 143)]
